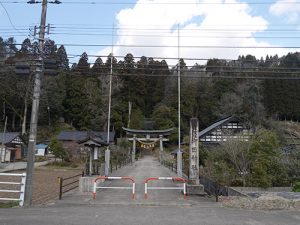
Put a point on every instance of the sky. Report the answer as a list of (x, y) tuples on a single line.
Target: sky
[(203, 29)]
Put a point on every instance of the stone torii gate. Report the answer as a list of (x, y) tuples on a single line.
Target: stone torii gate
[(149, 136)]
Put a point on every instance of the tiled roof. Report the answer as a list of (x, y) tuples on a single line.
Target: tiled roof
[(81, 135), (95, 140), (174, 152), (8, 137), (41, 146), (215, 125)]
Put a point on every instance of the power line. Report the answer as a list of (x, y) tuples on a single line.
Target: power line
[(10, 21), (162, 25), (205, 28), (172, 36), (150, 57), (250, 74), (182, 46), (164, 3)]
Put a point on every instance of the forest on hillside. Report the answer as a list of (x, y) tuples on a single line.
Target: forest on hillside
[(252, 89)]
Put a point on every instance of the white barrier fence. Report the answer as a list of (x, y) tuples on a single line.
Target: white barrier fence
[(20, 190), (183, 188), (114, 178)]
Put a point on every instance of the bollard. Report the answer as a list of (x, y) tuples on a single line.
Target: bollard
[(60, 184)]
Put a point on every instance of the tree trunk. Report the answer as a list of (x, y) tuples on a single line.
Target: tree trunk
[(24, 117), (13, 122), (244, 181), (26, 107), (217, 192)]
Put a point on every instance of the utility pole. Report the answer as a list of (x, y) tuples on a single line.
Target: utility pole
[(107, 151), (35, 102), (179, 153)]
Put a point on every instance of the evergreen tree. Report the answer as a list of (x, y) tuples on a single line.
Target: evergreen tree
[(63, 58)]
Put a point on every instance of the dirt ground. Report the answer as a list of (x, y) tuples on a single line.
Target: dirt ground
[(45, 183)]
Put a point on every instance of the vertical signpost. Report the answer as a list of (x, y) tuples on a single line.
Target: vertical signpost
[(133, 149), (194, 151), (161, 148)]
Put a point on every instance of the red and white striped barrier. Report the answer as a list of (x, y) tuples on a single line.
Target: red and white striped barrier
[(183, 188), (114, 178)]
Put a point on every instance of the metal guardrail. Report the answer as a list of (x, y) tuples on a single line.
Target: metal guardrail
[(172, 166), (21, 190), (183, 188), (71, 183), (113, 178)]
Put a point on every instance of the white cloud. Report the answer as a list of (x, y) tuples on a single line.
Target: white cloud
[(200, 25), (291, 9)]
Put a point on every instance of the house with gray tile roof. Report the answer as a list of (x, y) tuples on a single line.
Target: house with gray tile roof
[(13, 147), (225, 129), (72, 140)]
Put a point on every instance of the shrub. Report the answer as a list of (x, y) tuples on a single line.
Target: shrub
[(296, 187)]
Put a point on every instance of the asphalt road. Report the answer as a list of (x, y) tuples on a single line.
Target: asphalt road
[(164, 207)]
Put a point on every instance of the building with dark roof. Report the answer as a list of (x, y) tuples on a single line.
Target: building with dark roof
[(72, 140), (13, 147), (225, 129), (79, 135)]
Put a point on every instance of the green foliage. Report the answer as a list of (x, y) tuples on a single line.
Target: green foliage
[(8, 204), (57, 150), (137, 119), (124, 143), (62, 164), (296, 187), (203, 154), (79, 95), (256, 163), (218, 169), (267, 168), (164, 117)]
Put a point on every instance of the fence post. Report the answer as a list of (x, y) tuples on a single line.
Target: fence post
[(60, 184), (22, 193), (117, 165), (97, 168)]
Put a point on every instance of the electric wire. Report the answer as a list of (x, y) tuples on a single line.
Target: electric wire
[(163, 3), (9, 19)]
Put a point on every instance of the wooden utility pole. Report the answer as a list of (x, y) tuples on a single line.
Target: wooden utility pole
[(36, 101), (35, 108), (107, 151), (179, 153)]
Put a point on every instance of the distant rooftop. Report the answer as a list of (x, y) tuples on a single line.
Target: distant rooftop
[(215, 125), (8, 137), (81, 135)]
